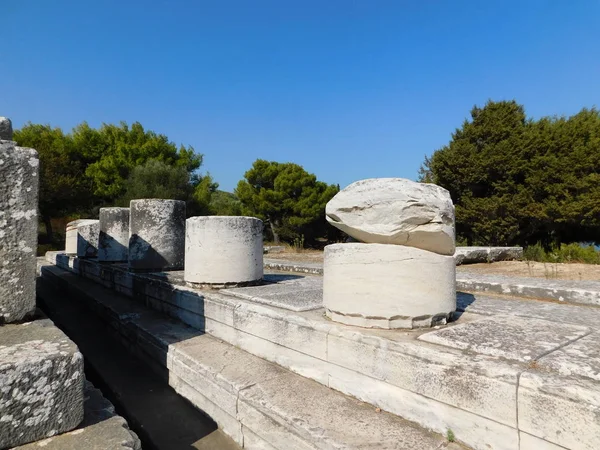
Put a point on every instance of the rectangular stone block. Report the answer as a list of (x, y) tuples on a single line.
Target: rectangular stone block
[(18, 230), (41, 383)]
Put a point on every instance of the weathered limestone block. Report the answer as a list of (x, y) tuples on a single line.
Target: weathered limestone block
[(472, 255), (41, 383), (113, 241), (6, 131), (82, 238), (388, 286), (101, 429), (395, 211), (18, 230), (223, 250), (157, 235)]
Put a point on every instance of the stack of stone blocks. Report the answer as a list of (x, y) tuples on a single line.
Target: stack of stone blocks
[(401, 273), (41, 370)]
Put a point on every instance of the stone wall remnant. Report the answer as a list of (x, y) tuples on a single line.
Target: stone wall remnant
[(223, 250), (113, 240), (156, 235)]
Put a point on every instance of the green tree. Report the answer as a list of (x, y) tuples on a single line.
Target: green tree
[(290, 200), (64, 188), (157, 179), (225, 204), (519, 181), (118, 149)]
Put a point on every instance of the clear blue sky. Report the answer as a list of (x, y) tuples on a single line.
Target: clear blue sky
[(348, 89)]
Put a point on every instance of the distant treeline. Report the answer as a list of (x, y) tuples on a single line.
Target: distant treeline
[(89, 168), (519, 181)]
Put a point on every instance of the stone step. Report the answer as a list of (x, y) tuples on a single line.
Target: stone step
[(464, 376), (258, 403)]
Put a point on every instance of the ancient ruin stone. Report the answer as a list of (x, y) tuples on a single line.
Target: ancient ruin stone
[(113, 241), (6, 131), (41, 383), (18, 230), (395, 211), (388, 286), (157, 235), (222, 250)]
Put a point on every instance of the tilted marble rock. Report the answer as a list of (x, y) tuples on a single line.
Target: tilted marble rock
[(395, 211), (113, 241), (156, 234), (223, 250), (18, 230), (6, 131), (388, 286), (41, 383), (82, 238)]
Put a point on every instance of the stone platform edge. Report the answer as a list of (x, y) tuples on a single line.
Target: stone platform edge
[(258, 403), (440, 388)]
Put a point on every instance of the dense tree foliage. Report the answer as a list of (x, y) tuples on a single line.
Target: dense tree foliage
[(89, 168), (289, 199), (516, 180), (225, 204), (64, 188)]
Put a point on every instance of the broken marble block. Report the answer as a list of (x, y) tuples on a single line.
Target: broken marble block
[(113, 241), (41, 383), (156, 235), (395, 211), (388, 286), (223, 250), (18, 230), (82, 238)]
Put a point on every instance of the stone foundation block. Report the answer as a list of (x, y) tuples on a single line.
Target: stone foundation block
[(41, 383), (113, 241), (223, 250), (18, 230), (157, 235), (388, 286)]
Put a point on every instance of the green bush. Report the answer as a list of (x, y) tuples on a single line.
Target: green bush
[(565, 253)]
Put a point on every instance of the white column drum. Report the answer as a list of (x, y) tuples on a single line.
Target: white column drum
[(388, 286), (223, 250)]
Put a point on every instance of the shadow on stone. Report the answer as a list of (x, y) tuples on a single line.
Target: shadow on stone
[(463, 301), (279, 277)]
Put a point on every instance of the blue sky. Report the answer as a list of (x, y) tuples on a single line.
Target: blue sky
[(348, 89)]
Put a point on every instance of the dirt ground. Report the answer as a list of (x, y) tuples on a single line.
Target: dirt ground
[(577, 272)]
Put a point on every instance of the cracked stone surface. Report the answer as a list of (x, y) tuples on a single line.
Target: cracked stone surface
[(41, 383), (581, 358), (515, 338), (18, 230)]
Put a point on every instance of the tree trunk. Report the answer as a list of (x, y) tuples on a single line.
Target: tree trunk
[(275, 234), (48, 225)]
